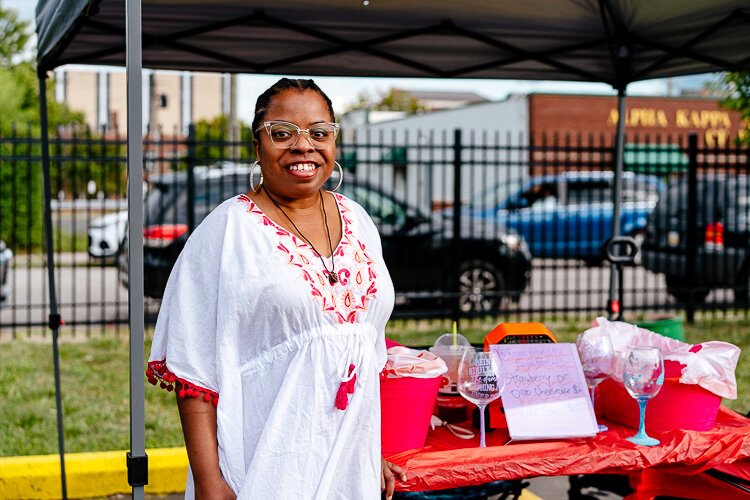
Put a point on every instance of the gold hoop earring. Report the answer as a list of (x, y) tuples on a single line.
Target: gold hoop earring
[(341, 177), (255, 188)]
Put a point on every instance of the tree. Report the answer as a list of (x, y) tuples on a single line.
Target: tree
[(19, 100), (736, 88), (212, 141), (19, 87), (13, 36), (392, 100), (20, 168)]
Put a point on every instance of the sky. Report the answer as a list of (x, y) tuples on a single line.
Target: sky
[(345, 90)]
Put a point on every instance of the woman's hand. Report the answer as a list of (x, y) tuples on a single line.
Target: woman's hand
[(213, 490), (388, 477)]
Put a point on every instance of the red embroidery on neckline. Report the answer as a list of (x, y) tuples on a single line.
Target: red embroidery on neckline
[(346, 298)]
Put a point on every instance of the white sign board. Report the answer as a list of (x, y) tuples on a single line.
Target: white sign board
[(545, 395)]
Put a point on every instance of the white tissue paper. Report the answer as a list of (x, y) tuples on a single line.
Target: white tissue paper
[(407, 362), (710, 365)]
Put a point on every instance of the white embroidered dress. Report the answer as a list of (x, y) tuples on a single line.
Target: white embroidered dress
[(250, 323)]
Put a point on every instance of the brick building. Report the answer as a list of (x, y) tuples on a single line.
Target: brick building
[(648, 119), (172, 100)]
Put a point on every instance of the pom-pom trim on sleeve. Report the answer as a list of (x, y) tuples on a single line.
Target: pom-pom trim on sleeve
[(157, 371)]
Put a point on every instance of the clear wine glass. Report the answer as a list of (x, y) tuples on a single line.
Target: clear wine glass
[(597, 355), (481, 381), (643, 377)]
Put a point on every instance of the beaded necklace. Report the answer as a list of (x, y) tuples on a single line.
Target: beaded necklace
[(332, 277)]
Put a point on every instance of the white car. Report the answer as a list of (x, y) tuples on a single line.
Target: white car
[(5, 256), (106, 233)]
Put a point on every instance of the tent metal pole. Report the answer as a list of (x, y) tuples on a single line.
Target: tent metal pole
[(54, 315), (137, 460), (617, 188)]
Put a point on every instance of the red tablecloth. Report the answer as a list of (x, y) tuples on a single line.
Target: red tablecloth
[(449, 462)]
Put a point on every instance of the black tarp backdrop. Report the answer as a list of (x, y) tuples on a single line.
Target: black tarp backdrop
[(612, 41)]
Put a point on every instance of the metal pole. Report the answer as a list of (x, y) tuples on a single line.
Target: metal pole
[(692, 216), (457, 160), (191, 179), (234, 128), (54, 315), (613, 305), (137, 461)]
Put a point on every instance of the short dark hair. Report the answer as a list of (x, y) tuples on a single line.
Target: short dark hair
[(300, 85)]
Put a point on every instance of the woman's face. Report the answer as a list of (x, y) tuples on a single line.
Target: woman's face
[(300, 171)]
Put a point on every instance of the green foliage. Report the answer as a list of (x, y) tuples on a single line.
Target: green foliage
[(13, 36), (736, 87), (213, 141), (76, 157), (21, 193), (19, 100), (399, 100), (392, 100), (19, 85)]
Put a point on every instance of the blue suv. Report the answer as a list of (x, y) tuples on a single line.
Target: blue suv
[(569, 215)]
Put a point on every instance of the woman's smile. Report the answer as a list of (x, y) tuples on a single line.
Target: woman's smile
[(303, 168)]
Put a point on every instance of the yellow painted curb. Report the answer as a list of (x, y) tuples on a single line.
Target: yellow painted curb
[(528, 495), (89, 475)]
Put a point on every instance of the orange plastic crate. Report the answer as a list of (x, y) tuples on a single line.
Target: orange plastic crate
[(519, 333)]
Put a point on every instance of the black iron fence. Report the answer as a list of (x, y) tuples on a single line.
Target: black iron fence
[(473, 224)]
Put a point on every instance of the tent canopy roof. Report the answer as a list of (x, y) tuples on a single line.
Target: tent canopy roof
[(611, 41)]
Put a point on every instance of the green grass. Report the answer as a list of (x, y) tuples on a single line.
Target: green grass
[(95, 385), (94, 380), (68, 242)]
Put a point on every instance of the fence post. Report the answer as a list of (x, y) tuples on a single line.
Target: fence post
[(191, 178), (692, 215), (457, 151)]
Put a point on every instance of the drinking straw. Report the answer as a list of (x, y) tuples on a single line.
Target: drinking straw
[(455, 332)]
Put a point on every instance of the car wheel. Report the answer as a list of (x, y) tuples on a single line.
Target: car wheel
[(684, 290), (479, 285)]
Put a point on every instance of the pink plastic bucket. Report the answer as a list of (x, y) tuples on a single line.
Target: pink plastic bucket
[(406, 405), (677, 406)]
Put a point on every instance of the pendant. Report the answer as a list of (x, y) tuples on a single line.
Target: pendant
[(332, 278)]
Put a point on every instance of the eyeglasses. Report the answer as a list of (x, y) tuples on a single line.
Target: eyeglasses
[(285, 135)]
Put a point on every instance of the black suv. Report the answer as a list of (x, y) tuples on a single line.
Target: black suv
[(721, 232), (422, 258)]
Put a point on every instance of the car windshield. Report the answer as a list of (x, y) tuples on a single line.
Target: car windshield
[(493, 196), (159, 207), (382, 209), (167, 202)]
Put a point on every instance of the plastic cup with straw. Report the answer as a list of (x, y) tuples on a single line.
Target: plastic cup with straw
[(451, 347)]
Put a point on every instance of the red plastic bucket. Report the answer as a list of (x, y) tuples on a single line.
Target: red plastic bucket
[(677, 406), (406, 405)]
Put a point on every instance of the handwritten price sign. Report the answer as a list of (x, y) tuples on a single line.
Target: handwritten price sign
[(545, 391)]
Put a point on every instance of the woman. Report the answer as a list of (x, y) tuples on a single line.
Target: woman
[(272, 324)]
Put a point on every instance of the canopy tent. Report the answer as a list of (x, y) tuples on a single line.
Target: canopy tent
[(611, 41)]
